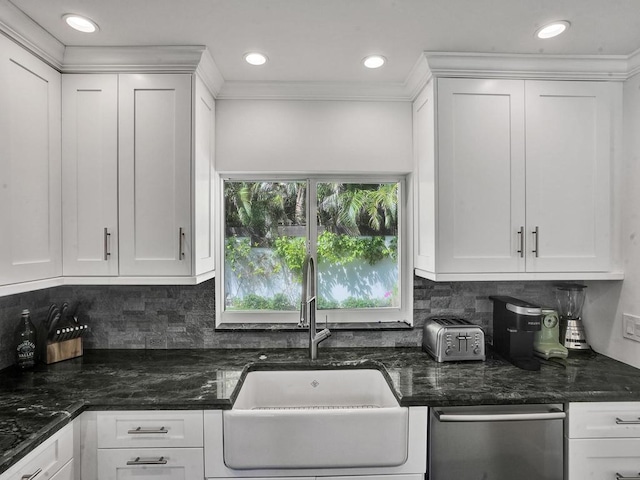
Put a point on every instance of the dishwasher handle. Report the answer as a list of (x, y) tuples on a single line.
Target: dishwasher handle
[(553, 414)]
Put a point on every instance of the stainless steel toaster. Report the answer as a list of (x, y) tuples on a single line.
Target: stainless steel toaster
[(453, 339)]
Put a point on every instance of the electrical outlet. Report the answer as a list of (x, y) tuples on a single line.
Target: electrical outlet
[(631, 327)]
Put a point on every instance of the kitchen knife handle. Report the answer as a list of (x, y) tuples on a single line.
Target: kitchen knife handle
[(148, 431), (149, 461), (32, 476), (521, 237), (536, 234), (107, 238), (621, 477), (181, 244), (620, 421)]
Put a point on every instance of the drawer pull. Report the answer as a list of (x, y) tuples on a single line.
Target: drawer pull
[(148, 431), (619, 421), (147, 461), (33, 475), (621, 477)]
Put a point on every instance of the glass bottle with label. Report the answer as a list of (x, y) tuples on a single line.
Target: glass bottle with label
[(26, 342)]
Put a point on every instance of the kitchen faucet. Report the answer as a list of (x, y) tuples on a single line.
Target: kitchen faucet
[(308, 307)]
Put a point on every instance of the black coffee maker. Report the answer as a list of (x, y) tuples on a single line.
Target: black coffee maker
[(514, 324)]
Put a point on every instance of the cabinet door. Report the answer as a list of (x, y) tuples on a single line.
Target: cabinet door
[(154, 175), (90, 174), (30, 243), (47, 459), (204, 187), (603, 459), (568, 172), (150, 463), (480, 175)]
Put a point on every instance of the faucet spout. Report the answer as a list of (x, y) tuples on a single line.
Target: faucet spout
[(308, 307)]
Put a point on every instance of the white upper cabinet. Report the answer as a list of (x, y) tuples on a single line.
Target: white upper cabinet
[(30, 242), (155, 174), (522, 173), (568, 150), (481, 175), (204, 179), (138, 178), (90, 174)]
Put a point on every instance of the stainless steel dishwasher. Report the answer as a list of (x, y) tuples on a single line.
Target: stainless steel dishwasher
[(523, 442)]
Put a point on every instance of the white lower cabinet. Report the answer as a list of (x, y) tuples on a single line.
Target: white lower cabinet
[(150, 463), (603, 441), (65, 473), (53, 459), (610, 459), (148, 445)]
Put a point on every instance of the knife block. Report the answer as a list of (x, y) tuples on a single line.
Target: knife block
[(59, 351)]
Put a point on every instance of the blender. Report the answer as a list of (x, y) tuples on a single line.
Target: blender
[(570, 298)]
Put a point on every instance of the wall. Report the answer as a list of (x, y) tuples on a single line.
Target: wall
[(313, 136), (607, 301), (184, 316)]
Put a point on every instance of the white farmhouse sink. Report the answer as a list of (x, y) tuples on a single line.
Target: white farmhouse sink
[(315, 419)]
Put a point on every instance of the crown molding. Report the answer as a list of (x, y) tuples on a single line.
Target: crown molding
[(23, 30), (157, 59), (210, 74), (355, 91), (174, 59), (634, 63)]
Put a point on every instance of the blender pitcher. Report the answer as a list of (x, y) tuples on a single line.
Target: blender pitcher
[(570, 297)]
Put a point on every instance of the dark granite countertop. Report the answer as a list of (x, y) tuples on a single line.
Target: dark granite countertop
[(33, 405)]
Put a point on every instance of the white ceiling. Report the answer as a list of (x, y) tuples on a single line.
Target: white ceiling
[(325, 40)]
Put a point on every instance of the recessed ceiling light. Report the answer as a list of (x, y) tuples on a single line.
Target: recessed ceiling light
[(255, 58), (80, 23), (374, 61), (552, 29)]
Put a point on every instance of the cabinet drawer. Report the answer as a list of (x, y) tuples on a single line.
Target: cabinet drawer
[(604, 420), (151, 463), (49, 457), (65, 473), (603, 459), (165, 428)]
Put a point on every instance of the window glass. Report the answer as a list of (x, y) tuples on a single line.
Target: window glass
[(356, 237), (357, 245), (264, 244)]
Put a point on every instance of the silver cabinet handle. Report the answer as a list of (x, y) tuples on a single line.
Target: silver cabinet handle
[(619, 421), (536, 234), (147, 461), (32, 476), (107, 238), (521, 236), (553, 414), (181, 244), (621, 477), (147, 431)]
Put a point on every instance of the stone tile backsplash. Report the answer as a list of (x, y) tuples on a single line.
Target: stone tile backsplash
[(169, 317)]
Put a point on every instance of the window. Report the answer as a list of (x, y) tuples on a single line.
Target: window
[(357, 238)]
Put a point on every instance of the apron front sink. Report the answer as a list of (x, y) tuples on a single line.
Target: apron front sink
[(334, 418)]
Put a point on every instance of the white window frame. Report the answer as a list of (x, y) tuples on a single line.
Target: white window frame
[(379, 316)]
